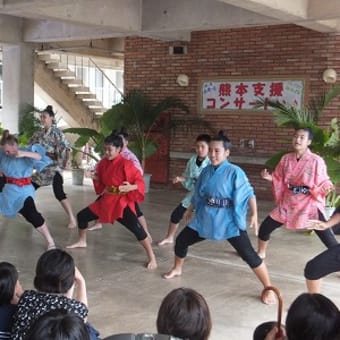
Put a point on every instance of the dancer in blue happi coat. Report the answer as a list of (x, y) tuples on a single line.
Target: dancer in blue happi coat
[(222, 196), (193, 169), (17, 196)]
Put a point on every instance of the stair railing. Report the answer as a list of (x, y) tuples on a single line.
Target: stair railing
[(91, 76)]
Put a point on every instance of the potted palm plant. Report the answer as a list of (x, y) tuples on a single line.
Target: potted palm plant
[(139, 116)]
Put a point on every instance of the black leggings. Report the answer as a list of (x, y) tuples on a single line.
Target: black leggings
[(129, 221), (30, 213), (57, 185), (323, 264), (269, 225), (177, 214), (241, 244), (138, 211)]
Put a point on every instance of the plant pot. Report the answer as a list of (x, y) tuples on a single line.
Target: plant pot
[(147, 179), (329, 212), (77, 176)]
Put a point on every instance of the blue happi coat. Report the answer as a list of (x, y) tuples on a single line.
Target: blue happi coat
[(12, 197), (191, 173), (227, 181)]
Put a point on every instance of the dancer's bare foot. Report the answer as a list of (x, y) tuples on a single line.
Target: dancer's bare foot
[(152, 264), (167, 240), (172, 273), (268, 297), (95, 226), (79, 244)]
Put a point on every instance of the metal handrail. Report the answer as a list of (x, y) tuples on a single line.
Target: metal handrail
[(88, 72), (109, 80)]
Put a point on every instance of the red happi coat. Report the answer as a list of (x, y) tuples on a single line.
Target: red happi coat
[(113, 173), (295, 210)]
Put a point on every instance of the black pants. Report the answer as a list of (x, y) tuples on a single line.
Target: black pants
[(269, 225), (323, 264), (30, 213), (177, 214), (241, 244), (57, 185), (138, 211), (129, 221)]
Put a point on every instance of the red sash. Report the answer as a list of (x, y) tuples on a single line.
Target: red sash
[(19, 181)]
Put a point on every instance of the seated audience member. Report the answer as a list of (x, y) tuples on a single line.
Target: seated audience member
[(59, 324), (10, 292), (185, 314), (140, 336), (55, 279), (310, 317)]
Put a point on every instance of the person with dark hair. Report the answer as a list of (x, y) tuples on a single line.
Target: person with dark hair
[(129, 155), (222, 196), (59, 150), (312, 317), (10, 292), (185, 314), (58, 324), (55, 279), (300, 184), (120, 185), (325, 263), (193, 169), (17, 164)]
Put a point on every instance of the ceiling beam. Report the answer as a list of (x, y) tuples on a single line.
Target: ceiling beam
[(324, 26), (323, 10), (189, 15), (10, 29), (121, 15), (49, 31), (286, 10)]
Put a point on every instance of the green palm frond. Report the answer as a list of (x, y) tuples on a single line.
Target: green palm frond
[(138, 115), (287, 116)]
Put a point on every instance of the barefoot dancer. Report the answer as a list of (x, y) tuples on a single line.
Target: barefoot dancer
[(121, 185), (193, 169), (325, 263), (18, 193), (129, 155), (300, 184), (222, 195), (58, 149)]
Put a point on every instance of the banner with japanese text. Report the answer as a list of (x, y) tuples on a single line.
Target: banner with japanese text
[(222, 95)]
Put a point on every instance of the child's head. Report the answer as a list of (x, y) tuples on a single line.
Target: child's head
[(219, 148), (313, 316), (184, 313), (202, 145), (113, 145), (59, 324), (55, 272), (8, 282)]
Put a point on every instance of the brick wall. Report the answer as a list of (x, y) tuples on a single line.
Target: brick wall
[(285, 50)]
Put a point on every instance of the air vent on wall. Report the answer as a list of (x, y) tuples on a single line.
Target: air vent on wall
[(178, 50)]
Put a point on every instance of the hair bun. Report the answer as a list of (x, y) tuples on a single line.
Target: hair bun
[(49, 110), (222, 133)]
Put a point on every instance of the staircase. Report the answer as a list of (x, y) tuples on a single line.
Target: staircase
[(90, 92)]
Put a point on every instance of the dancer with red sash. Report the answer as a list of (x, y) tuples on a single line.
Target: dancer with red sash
[(18, 192)]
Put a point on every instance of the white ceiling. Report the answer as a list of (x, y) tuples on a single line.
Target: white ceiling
[(41, 21)]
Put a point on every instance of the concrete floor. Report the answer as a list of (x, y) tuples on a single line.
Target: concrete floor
[(125, 297)]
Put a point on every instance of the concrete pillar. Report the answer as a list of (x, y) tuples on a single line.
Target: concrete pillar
[(18, 83)]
